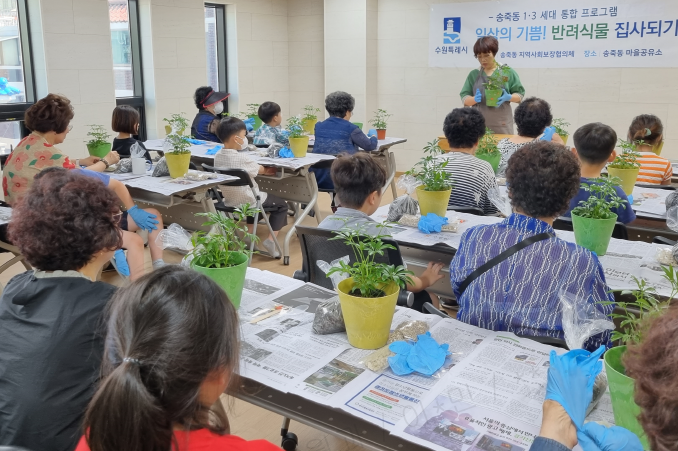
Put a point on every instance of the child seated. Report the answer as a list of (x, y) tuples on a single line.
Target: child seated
[(594, 146), (233, 133), (358, 180), (654, 169), (126, 122), (270, 132)]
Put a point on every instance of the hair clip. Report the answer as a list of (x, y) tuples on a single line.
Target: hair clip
[(648, 132), (132, 361)]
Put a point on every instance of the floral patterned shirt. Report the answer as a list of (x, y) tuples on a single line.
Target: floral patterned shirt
[(31, 155)]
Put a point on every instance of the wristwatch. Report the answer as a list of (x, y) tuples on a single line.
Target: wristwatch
[(103, 160)]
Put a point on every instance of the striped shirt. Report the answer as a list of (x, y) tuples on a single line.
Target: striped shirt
[(471, 179), (521, 294), (654, 169)]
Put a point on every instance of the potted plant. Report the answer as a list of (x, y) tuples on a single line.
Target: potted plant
[(633, 318), (436, 183), (221, 254), (592, 219), (177, 124), (178, 157), (253, 112), (625, 166), (310, 119), (487, 150), (98, 145), (379, 122), (368, 297), (495, 84), (559, 124), (298, 140)]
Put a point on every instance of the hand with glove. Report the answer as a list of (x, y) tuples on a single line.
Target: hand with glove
[(505, 97), (478, 97), (595, 437), (548, 134), (371, 133), (121, 262), (249, 123), (143, 219)]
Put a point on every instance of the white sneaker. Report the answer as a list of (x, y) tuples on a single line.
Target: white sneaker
[(269, 245)]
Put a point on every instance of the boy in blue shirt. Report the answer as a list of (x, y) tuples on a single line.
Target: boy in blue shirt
[(270, 132), (594, 146)]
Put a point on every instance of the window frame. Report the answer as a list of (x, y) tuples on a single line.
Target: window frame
[(222, 50)]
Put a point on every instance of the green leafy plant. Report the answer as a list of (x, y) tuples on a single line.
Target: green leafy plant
[(487, 145), (311, 113), (627, 159), (637, 315), (213, 249), (499, 77), (380, 118), (178, 143), (177, 122), (252, 109), (295, 127), (430, 170), (560, 124), (370, 278), (98, 134), (239, 115), (602, 200)]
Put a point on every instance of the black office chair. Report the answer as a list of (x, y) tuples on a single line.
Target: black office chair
[(243, 180), (557, 342), (619, 232), (434, 311), (326, 164), (663, 240), (316, 245), (666, 187), (470, 210)]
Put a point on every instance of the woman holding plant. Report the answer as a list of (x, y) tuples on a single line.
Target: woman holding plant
[(492, 87)]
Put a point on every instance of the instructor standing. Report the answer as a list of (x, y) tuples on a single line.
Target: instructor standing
[(499, 119)]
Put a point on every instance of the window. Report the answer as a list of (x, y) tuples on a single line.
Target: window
[(124, 19), (215, 40), (17, 86)]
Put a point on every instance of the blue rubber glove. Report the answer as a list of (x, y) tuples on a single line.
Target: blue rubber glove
[(195, 141), (371, 132), (595, 437), (505, 97), (249, 123), (630, 198), (570, 381), (121, 262), (478, 97), (431, 223), (285, 152), (548, 134), (143, 219), (426, 356), (213, 150), (285, 133), (398, 362)]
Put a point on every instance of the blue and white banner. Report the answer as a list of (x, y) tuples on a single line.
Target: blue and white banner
[(551, 33)]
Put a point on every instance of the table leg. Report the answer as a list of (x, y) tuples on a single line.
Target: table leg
[(390, 171), (313, 189)]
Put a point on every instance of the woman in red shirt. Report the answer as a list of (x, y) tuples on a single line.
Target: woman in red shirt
[(171, 350)]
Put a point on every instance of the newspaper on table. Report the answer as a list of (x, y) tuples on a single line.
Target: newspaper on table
[(261, 284), (5, 215), (124, 176), (168, 186), (292, 163)]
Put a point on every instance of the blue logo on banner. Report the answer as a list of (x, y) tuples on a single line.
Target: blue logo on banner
[(452, 30)]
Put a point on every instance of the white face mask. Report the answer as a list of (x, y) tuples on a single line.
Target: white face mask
[(244, 144), (219, 108)]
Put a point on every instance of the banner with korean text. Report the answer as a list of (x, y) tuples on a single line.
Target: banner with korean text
[(552, 33)]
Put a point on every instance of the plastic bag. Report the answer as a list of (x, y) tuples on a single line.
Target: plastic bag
[(672, 216), (161, 169), (175, 237), (136, 151), (581, 319), (671, 200), (405, 204), (328, 318), (337, 276), (274, 150), (502, 203), (408, 330), (667, 256), (378, 360), (124, 166)]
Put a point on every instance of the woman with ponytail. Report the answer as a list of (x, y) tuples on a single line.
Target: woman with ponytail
[(654, 170), (171, 351)]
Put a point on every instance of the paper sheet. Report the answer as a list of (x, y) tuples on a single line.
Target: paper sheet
[(648, 200), (5, 215), (168, 186)]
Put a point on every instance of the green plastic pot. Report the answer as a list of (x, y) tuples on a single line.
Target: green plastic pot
[(625, 409), (433, 201), (359, 124), (493, 159), (257, 121), (177, 163), (99, 150), (230, 279), (492, 96), (628, 178), (299, 146), (309, 125), (593, 234)]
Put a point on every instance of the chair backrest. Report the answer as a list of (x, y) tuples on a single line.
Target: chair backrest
[(470, 210), (316, 245), (324, 164), (243, 177), (663, 240), (666, 187), (619, 232)]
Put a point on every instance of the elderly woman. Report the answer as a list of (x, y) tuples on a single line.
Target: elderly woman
[(210, 105), (337, 134), (50, 317), (520, 293), (533, 118)]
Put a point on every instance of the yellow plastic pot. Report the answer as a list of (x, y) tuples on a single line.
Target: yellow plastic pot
[(177, 164), (168, 130), (564, 138), (628, 178), (299, 146), (433, 201), (368, 320), (309, 125)]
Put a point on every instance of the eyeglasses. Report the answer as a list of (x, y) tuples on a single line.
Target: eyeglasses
[(117, 218), (69, 128)]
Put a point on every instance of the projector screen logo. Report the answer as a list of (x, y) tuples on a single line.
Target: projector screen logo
[(452, 33)]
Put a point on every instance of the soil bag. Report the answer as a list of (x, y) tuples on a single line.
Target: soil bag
[(405, 204), (161, 169), (328, 316)]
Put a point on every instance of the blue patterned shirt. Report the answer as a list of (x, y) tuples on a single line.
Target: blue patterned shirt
[(520, 295), (267, 135)]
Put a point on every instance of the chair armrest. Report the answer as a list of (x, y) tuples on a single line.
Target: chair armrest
[(405, 298), (300, 275)]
